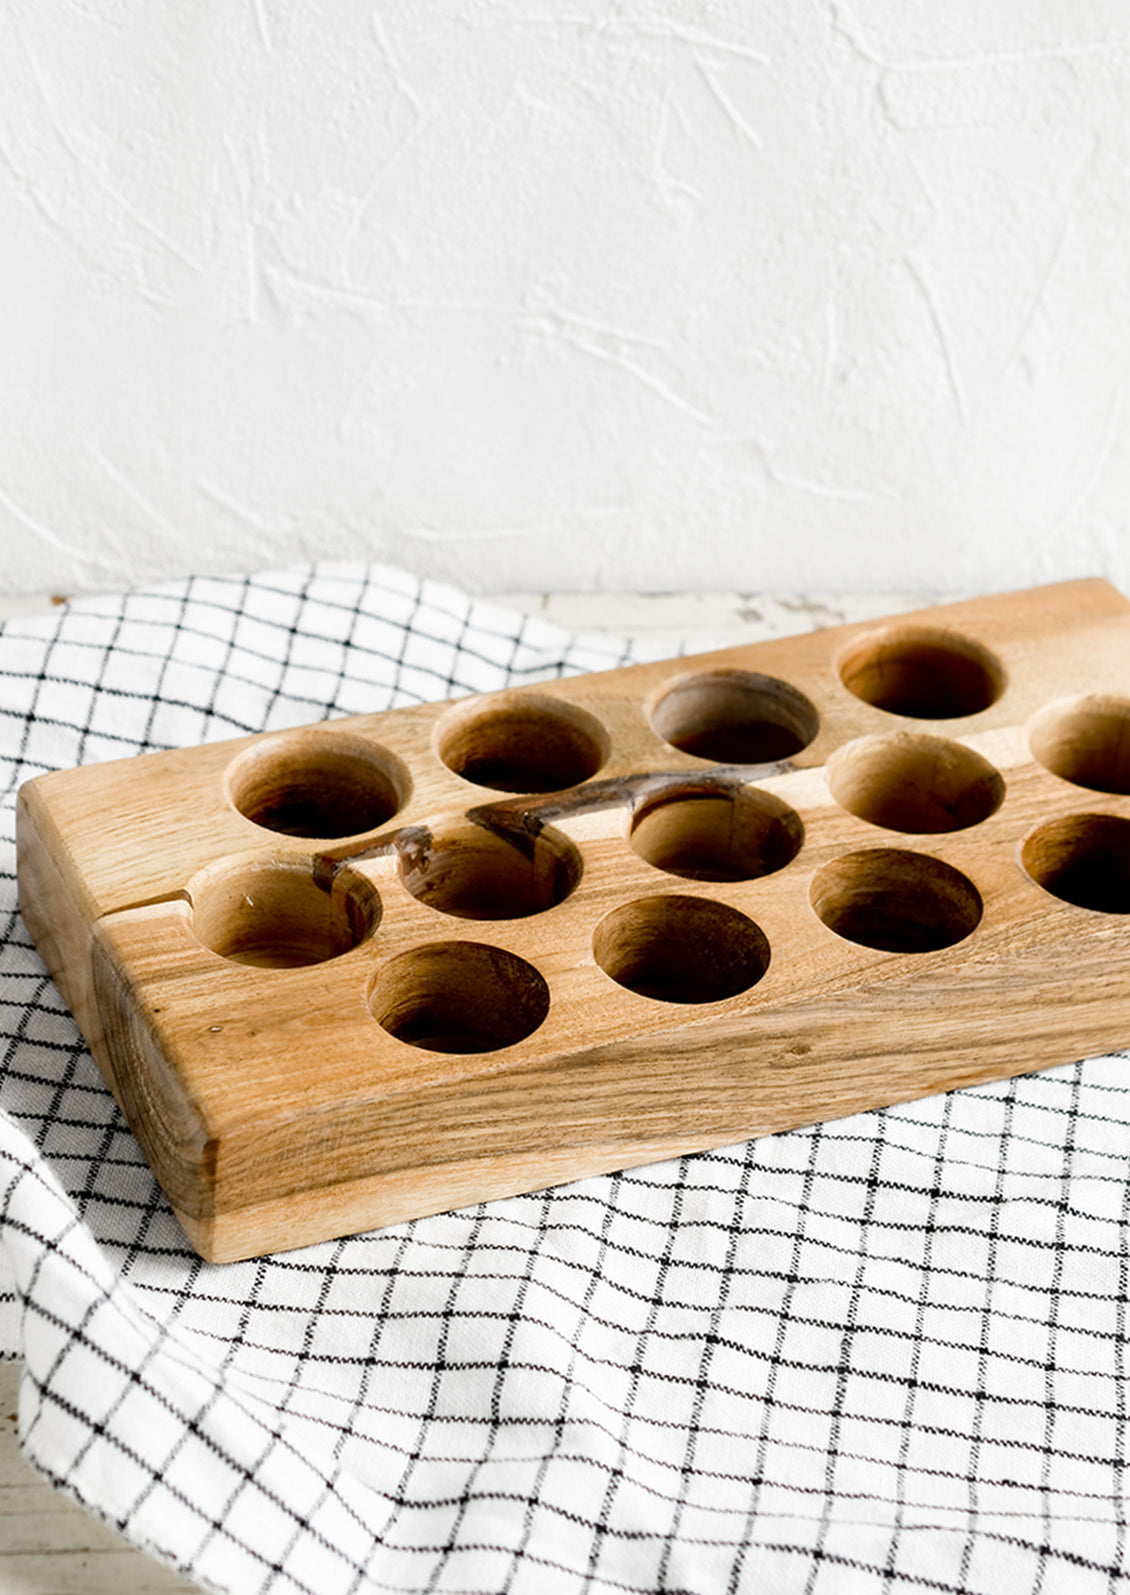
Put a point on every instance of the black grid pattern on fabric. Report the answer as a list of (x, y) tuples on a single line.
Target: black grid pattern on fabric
[(884, 1354)]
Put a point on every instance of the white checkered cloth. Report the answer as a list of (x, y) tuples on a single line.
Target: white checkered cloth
[(886, 1354)]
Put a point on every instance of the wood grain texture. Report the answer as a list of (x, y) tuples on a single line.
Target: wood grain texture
[(360, 972)]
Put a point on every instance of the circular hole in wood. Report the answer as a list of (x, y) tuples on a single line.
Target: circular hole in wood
[(277, 916), (1086, 741), (1083, 859), (317, 784), (459, 997), (681, 949), (921, 673), (521, 743), (479, 874), (913, 783), (896, 901), (717, 834), (735, 717)]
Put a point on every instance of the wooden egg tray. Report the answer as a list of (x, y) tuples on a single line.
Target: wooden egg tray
[(393, 964)]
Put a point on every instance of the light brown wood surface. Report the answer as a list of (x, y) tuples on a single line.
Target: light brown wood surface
[(360, 972)]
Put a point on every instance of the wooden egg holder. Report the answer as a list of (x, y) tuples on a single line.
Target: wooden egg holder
[(394, 964)]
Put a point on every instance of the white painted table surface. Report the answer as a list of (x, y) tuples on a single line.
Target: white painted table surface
[(50, 1546)]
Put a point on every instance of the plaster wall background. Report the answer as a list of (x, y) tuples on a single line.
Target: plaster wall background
[(610, 294)]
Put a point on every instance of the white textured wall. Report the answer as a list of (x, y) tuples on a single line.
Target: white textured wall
[(595, 294)]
